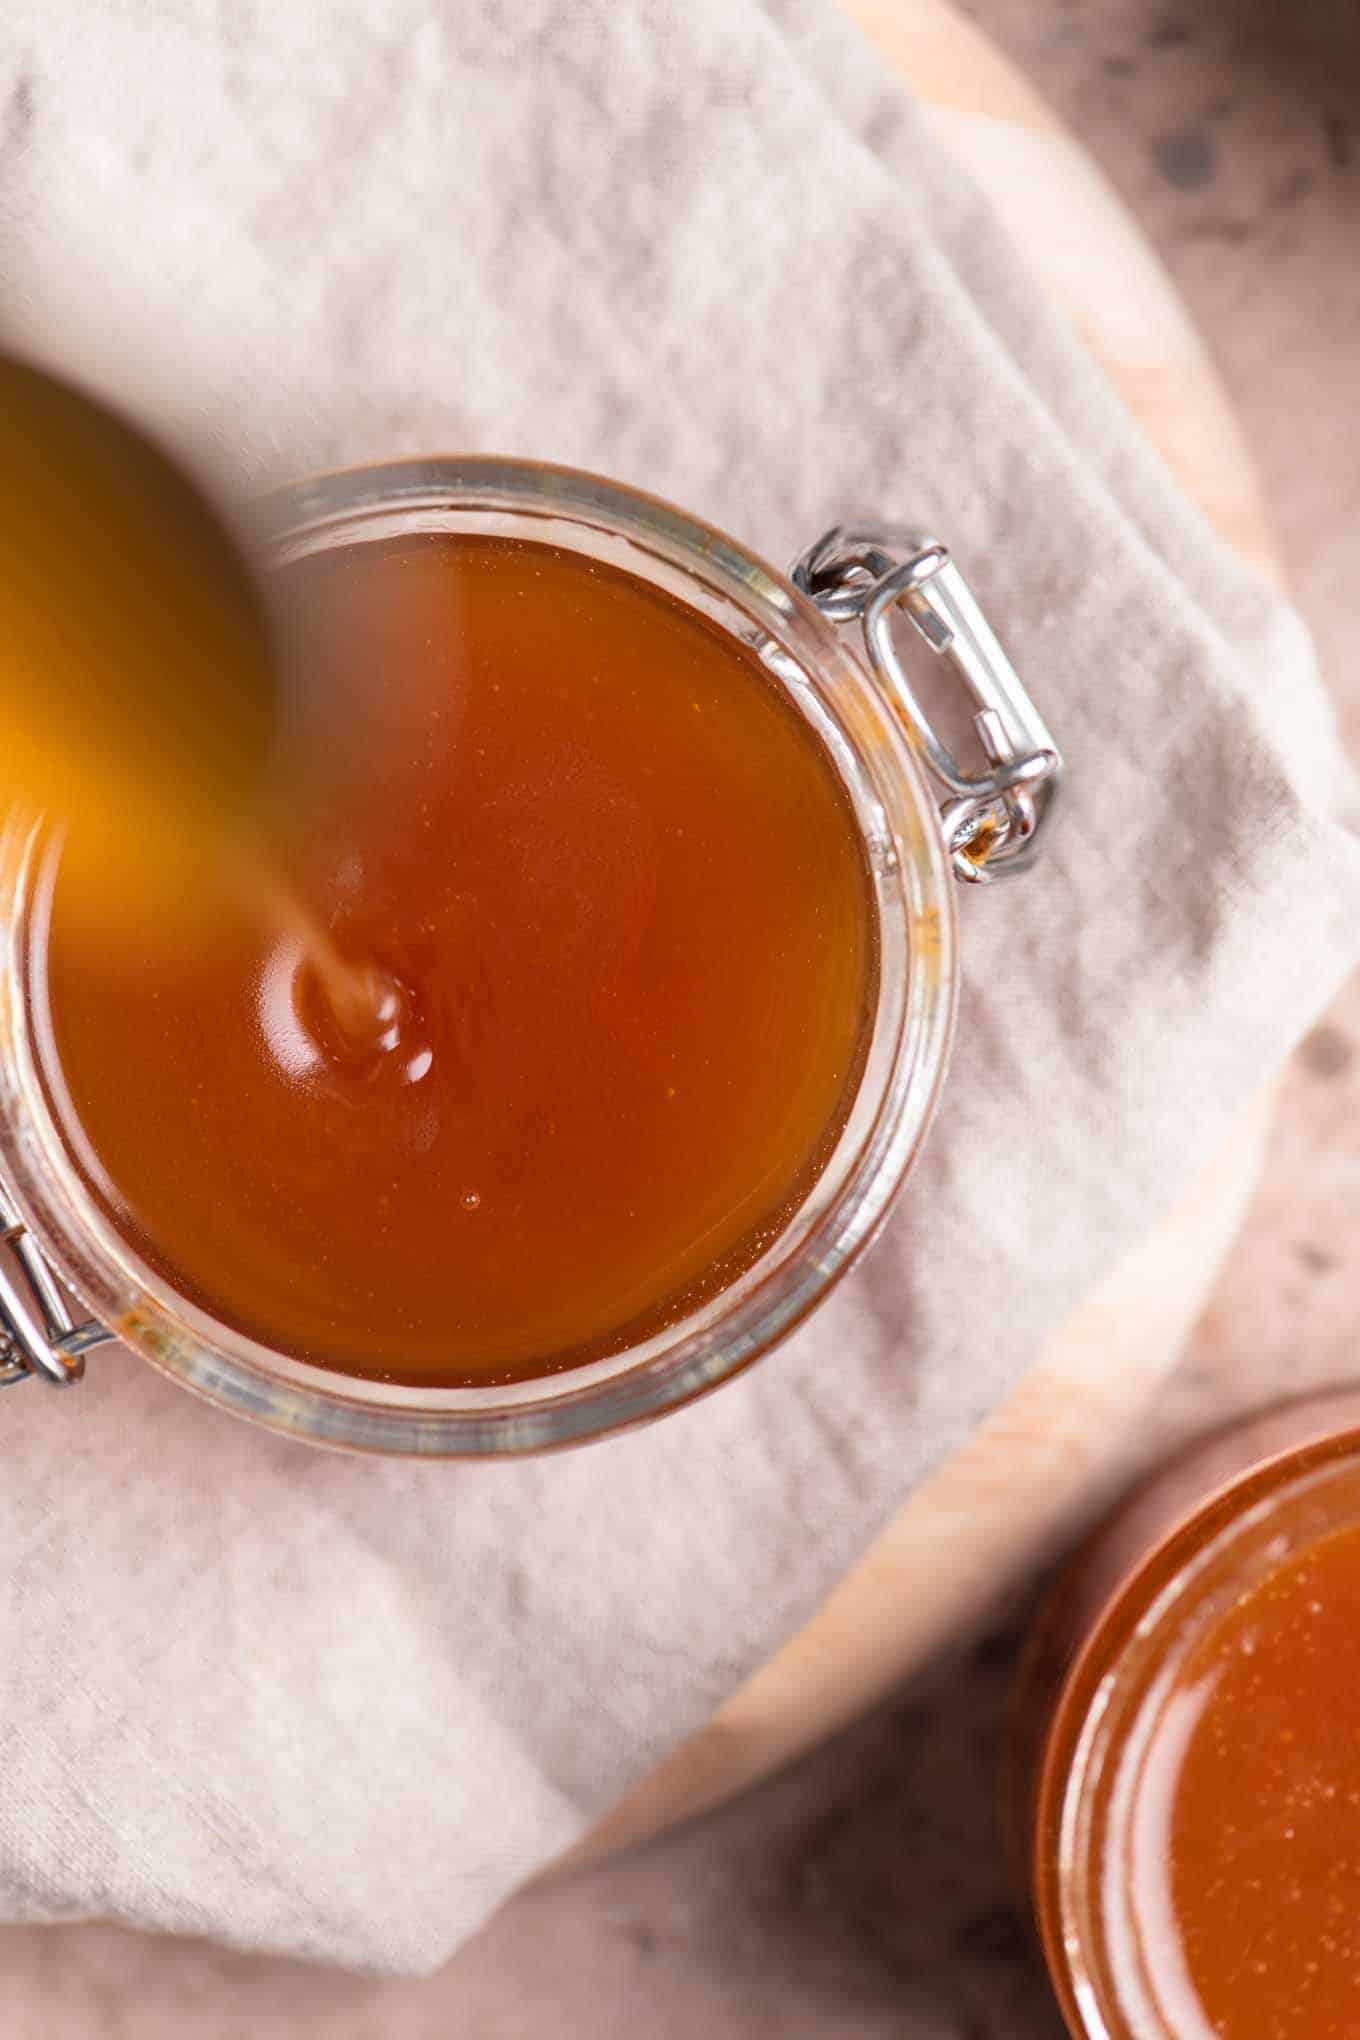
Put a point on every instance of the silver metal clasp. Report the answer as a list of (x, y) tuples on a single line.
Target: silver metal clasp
[(39, 1335), (871, 574)]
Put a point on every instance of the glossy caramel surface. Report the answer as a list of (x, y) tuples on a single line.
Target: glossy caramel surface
[(1265, 1822), (621, 893)]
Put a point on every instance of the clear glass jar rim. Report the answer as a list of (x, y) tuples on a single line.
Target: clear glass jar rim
[(236, 1373)]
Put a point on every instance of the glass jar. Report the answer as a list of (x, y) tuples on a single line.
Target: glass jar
[(1107, 1697), (871, 724)]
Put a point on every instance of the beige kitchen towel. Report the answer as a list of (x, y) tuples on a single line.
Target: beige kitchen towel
[(342, 1709)]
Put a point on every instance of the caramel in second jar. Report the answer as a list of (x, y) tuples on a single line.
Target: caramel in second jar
[(1264, 1784), (618, 893)]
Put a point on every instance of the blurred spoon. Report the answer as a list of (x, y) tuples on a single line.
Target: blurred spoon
[(139, 699)]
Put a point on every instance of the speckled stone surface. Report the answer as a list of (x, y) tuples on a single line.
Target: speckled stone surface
[(863, 1895)]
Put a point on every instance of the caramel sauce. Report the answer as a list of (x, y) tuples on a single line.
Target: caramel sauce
[(1265, 1818), (600, 898)]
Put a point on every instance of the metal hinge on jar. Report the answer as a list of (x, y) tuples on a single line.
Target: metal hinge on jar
[(871, 573), (39, 1336)]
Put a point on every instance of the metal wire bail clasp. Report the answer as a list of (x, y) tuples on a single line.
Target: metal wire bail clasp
[(39, 1336), (994, 814)]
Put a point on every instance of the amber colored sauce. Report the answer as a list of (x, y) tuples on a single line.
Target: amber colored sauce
[(1265, 1819), (617, 894)]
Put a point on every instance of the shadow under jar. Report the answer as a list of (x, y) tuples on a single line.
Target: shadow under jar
[(1187, 1758), (649, 854)]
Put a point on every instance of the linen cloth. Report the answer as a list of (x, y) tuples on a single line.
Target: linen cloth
[(341, 1709)]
